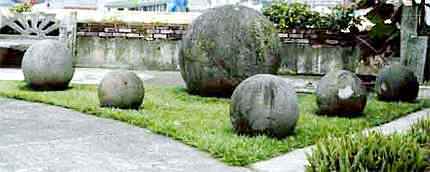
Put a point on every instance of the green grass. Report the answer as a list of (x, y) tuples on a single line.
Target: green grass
[(375, 152), (204, 122)]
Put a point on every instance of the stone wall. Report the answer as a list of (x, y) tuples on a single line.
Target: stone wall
[(127, 53), (133, 46), (306, 59), (317, 51), (155, 47)]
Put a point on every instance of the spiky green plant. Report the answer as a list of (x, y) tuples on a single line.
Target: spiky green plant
[(375, 152)]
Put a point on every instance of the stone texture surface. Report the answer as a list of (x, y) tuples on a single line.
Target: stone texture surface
[(121, 89), (308, 59), (341, 92), (36, 137), (48, 64), (127, 53), (163, 55), (414, 48), (397, 83), (295, 161), (226, 45), (264, 104)]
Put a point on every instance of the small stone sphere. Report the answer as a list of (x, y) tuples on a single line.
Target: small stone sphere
[(397, 83), (121, 89), (341, 93), (226, 45), (48, 65), (264, 104)]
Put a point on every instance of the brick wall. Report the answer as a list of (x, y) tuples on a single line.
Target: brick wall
[(147, 32), (317, 37), (152, 32)]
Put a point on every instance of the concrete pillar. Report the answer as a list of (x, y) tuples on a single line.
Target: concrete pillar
[(414, 48)]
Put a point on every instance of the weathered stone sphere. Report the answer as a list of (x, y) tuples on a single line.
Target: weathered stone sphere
[(264, 104), (341, 93), (121, 89), (48, 65), (226, 45), (397, 83)]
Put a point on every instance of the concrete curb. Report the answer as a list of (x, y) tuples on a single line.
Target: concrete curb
[(295, 161)]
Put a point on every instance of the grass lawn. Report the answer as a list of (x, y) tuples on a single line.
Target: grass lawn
[(204, 122)]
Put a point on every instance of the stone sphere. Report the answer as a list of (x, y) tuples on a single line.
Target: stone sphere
[(397, 83), (226, 45), (264, 104), (121, 89), (48, 65), (341, 93)]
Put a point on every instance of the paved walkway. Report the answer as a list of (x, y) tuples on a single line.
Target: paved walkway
[(81, 75), (94, 76), (36, 137)]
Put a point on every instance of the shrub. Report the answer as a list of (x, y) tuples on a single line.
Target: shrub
[(294, 15), (375, 152), (301, 16), (21, 7), (341, 17)]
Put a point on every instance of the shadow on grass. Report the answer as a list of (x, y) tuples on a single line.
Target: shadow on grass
[(26, 87)]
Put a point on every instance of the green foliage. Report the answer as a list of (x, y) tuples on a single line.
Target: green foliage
[(301, 16), (204, 122), (341, 17), (135, 2), (294, 15), (21, 7), (375, 152), (421, 131)]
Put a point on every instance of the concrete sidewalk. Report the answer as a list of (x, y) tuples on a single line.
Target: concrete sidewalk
[(36, 137), (81, 75)]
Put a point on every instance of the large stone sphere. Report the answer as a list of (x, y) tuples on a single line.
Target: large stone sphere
[(121, 89), (397, 83), (226, 45), (264, 104), (48, 65), (341, 93)]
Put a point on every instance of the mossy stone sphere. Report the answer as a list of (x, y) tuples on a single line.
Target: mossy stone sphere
[(226, 45), (341, 93), (121, 89), (48, 65), (264, 104), (397, 83)]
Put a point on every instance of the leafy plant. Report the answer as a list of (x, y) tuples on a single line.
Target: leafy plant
[(21, 7), (294, 15), (135, 2), (301, 16), (341, 17), (375, 152)]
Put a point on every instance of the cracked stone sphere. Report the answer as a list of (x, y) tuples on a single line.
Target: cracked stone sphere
[(48, 65), (341, 93), (226, 45), (121, 89), (264, 104), (397, 83)]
